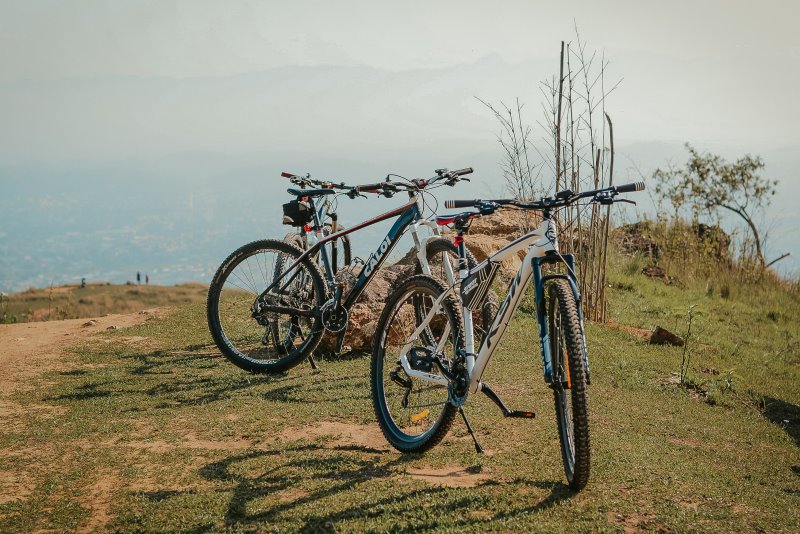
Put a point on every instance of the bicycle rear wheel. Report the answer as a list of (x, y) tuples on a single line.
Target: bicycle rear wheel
[(241, 323), (414, 414), (569, 382), (438, 250), (339, 250)]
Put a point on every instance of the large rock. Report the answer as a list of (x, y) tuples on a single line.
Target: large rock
[(367, 310), (635, 238), (489, 234), (508, 224), (486, 236), (662, 336)]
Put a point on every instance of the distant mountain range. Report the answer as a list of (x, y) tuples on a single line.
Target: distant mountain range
[(105, 177)]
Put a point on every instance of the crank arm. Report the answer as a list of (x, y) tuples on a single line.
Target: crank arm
[(268, 308)]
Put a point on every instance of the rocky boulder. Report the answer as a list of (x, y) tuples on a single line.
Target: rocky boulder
[(662, 336), (489, 234), (367, 310), (635, 238), (486, 236)]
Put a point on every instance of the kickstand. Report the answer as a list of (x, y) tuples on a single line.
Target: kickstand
[(312, 362), (478, 447)]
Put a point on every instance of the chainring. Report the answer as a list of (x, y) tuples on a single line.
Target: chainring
[(458, 389), (334, 318)]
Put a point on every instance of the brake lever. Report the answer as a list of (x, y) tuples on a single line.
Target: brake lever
[(625, 200)]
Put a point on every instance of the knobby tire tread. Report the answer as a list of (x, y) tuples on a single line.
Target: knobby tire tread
[(571, 325), (212, 306), (376, 380)]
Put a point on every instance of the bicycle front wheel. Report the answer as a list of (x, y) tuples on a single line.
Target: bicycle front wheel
[(243, 319), (414, 414), (569, 382)]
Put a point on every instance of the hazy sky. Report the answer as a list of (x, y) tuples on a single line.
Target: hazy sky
[(200, 38), (99, 94), (710, 71)]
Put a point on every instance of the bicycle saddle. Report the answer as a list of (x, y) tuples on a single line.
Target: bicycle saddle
[(443, 220), (310, 192)]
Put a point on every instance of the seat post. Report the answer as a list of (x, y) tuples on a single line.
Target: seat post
[(461, 227)]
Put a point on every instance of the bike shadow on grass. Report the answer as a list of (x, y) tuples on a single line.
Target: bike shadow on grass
[(784, 414), (192, 376), (345, 473), (333, 388)]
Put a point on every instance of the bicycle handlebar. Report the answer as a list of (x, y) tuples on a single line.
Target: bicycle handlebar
[(562, 198), (630, 188), (386, 188), (451, 204), (371, 188)]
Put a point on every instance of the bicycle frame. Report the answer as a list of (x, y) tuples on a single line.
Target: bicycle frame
[(542, 246), (410, 214)]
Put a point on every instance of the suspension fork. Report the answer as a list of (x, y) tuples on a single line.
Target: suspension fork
[(539, 282)]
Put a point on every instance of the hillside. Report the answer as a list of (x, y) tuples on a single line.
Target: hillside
[(148, 428), (73, 301)]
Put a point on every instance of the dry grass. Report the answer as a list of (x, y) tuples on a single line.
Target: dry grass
[(73, 301)]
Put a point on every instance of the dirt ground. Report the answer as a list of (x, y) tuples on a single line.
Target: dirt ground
[(30, 349)]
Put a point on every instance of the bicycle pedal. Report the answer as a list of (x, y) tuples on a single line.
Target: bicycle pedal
[(346, 349), (521, 414)]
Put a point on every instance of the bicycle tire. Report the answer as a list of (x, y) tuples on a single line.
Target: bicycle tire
[(442, 245), (282, 260), (395, 435), (295, 240), (232, 324), (340, 250), (569, 383)]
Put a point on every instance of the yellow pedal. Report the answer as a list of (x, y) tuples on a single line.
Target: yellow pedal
[(416, 418)]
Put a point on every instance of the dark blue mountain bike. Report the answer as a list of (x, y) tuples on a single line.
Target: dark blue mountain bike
[(270, 303)]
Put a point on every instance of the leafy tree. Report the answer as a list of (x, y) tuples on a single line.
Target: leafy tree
[(707, 183)]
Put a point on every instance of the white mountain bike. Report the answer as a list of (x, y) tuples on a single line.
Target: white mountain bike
[(424, 359)]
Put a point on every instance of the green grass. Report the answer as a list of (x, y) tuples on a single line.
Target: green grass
[(166, 436)]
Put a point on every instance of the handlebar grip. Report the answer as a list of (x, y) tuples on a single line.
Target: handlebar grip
[(462, 172), (370, 187), (451, 204), (630, 188), (287, 174)]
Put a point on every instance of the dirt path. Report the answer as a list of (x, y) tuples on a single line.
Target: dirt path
[(30, 349)]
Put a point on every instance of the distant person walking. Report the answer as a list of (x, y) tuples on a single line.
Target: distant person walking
[(138, 277), (147, 279)]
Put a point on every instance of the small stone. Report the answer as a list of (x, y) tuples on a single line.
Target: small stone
[(654, 271), (662, 336), (90, 322), (112, 327)]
